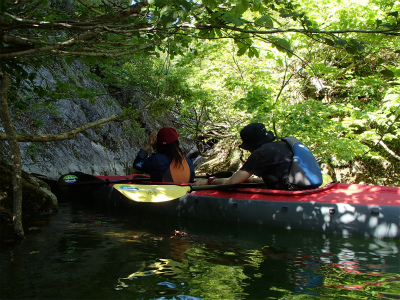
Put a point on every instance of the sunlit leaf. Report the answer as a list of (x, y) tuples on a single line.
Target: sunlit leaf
[(281, 44)]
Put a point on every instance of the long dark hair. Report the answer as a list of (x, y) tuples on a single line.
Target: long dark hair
[(173, 151)]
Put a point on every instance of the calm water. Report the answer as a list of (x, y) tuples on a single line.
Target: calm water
[(83, 253)]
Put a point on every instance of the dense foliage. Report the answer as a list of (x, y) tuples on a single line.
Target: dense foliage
[(324, 71), (342, 102)]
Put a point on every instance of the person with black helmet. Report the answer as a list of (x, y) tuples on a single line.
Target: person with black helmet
[(168, 164), (270, 160)]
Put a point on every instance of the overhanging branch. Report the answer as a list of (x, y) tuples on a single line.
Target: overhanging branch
[(394, 31)]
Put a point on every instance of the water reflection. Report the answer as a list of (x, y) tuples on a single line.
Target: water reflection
[(83, 253)]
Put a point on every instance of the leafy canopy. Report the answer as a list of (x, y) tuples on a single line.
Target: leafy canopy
[(329, 76)]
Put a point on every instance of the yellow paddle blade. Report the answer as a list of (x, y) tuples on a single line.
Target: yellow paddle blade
[(151, 193)]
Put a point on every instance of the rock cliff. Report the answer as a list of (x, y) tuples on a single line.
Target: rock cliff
[(108, 149)]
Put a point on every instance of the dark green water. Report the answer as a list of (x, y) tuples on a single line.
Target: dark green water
[(83, 253)]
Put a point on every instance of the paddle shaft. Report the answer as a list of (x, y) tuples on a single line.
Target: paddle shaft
[(226, 186), (108, 182), (225, 174), (86, 179), (131, 180)]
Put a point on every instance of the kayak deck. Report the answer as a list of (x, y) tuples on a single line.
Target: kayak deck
[(332, 193)]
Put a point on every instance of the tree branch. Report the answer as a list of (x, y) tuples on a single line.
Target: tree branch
[(394, 31), (62, 136), (388, 150), (133, 9), (83, 37)]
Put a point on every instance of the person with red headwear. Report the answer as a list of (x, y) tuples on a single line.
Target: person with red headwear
[(168, 164)]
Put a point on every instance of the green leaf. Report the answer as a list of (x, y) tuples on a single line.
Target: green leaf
[(167, 16), (242, 51), (265, 21), (387, 25), (351, 49), (210, 3), (245, 35), (166, 10), (218, 32), (160, 3), (257, 6), (360, 47), (281, 44), (211, 34), (340, 42), (40, 91), (288, 15), (253, 52), (380, 60), (240, 7), (294, 15), (229, 18), (329, 42), (307, 23), (185, 4), (387, 73)]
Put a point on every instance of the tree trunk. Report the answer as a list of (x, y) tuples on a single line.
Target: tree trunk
[(15, 156)]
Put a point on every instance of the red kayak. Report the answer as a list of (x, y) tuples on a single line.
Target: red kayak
[(346, 209), (339, 208)]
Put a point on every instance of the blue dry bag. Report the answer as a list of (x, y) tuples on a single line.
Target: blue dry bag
[(305, 171)]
